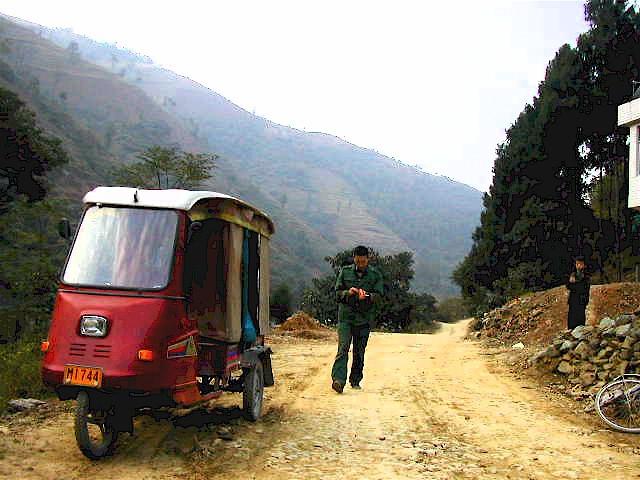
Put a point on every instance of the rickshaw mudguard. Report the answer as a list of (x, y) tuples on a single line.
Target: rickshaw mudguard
[(186, 394), (256, 354), (268, 371)]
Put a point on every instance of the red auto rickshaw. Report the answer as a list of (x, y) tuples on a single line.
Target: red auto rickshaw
[(163, 301)]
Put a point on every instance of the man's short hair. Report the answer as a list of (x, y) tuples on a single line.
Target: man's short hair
[(361, 251), (579, 258)]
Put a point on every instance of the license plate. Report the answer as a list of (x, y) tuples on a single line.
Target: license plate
[(85, 376)]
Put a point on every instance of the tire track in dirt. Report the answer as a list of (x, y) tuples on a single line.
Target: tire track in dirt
[(519, 430), (378, 432), (432, 406)]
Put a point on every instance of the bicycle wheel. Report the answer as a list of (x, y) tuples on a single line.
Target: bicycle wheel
[(626, 376), (618, 404)]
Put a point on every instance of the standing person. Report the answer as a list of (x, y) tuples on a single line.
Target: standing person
[(578, 284), (358, 289)]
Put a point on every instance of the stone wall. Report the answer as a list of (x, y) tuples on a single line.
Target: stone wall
[(591, 355)]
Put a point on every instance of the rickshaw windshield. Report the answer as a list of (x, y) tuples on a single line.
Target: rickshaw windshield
[(121, 247)]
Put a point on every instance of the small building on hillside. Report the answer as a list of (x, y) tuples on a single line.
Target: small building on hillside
[(629, 116)]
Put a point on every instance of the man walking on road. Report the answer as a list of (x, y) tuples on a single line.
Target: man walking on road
[(578, 285), (358, 289)]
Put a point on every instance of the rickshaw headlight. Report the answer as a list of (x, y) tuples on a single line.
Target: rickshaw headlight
[(93, 326)]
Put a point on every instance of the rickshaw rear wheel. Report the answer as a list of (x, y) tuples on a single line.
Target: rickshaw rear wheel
[(253, 392), (90, 423)]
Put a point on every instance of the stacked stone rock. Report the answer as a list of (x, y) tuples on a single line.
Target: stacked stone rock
[(510, 320), (592, 355)]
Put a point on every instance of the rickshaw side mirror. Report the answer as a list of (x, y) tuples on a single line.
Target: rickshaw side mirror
[(193, 227), (64, 228)]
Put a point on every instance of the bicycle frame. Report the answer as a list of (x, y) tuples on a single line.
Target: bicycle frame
[(625, 391), (613, 397)]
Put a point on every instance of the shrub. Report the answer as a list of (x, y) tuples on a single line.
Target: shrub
[(20, 370)]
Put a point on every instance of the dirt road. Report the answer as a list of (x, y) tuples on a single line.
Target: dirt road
[(432, 406)]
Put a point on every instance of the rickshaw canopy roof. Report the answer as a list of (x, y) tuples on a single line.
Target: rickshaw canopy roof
[(194, 202)]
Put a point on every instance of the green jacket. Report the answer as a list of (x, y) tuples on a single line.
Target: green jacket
[(350, 309)]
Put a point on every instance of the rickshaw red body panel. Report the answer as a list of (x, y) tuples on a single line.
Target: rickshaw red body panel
[(150, 320), (134, 324)]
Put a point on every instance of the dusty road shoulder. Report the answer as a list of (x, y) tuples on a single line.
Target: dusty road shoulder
[(432, 406)]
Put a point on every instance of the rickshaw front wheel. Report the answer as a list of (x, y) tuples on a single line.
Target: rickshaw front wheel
[(253, 392), (95, 435)]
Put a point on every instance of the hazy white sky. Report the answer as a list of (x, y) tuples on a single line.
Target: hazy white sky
[(433, 84)]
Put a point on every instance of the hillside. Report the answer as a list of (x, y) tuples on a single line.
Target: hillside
[(72, 99), (323, 192)]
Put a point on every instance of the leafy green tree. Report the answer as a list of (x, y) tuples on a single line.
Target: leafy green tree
[(423, 313), (167, 167), (319, 300), (452, 309), (618, 225), (27, 152), (399, 307), (537, 213), (281, 301), (32, 254)]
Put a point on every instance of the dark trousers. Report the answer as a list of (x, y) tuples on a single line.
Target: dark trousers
[(576, 315), (359, 335)]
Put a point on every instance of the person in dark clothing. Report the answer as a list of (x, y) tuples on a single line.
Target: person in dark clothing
[(578, 284), (358, 289)]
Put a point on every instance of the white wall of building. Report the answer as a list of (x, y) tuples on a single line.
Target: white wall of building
[(629, 116)]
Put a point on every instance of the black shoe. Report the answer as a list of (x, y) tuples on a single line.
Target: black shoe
[(356, 386), (337, 386)]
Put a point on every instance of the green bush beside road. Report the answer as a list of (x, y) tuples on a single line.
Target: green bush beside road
[(20, 370)]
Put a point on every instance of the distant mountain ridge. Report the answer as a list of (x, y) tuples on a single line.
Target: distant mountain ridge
[(323, 192)]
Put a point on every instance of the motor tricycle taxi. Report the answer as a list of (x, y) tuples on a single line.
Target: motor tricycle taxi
[(163, 301)]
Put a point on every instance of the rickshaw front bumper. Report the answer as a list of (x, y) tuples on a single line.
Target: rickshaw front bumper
[(149, 381)]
